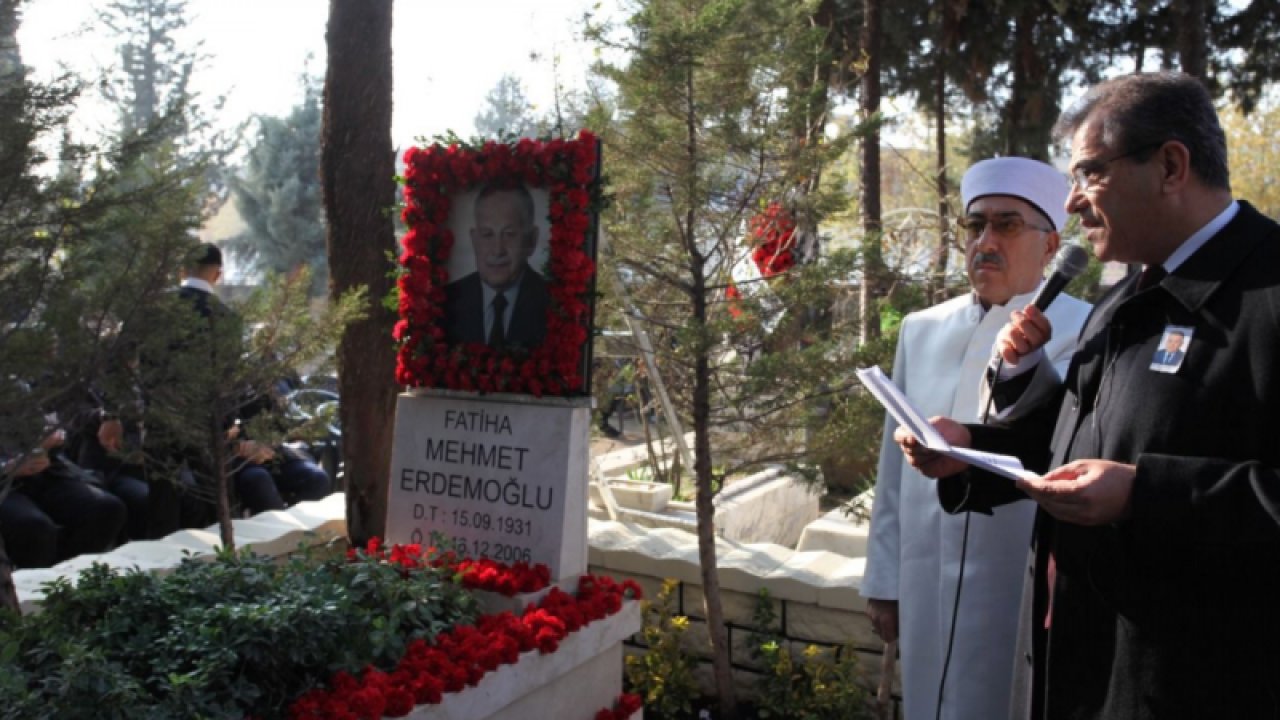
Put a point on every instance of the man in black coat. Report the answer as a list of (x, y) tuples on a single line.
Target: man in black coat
[(51, 510), (1154, 589), (504, 302), (188, 375)]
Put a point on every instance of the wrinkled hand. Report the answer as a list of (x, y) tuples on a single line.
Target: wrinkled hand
[(884, 618), (111, 435), (1084, 492), (1027, 330), (930, 463), (255, 452), (33, 464), (53, 440)]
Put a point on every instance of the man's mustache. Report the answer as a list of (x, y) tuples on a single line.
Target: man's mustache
[(981, 258)]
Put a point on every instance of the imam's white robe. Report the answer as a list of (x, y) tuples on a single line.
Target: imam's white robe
[(913, 553)]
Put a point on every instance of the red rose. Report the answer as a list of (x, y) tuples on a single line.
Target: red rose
[(629, 703), (399, 702), (368, 703), (429, 690)]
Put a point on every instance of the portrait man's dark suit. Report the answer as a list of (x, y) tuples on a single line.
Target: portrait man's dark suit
[(1168, 357), (465, 311)]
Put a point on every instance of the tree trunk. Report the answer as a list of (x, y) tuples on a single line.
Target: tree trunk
[(722, 667), (357, 172), (8, 593), (938, 276), (218, 451), (872, 253), (1016, 110), (1191, 17)]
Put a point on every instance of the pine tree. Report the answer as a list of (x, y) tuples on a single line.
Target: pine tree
[(278, 194), (507, 112), (152, 91), (62, 297), (709, 102)]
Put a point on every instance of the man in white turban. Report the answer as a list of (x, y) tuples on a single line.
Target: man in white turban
[(1014, 211)]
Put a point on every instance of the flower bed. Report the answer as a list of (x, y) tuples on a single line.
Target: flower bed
[(627, 705), (483, 574), (244, 636), (461, 657)]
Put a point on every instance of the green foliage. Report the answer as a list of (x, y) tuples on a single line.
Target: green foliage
[(279, 196), (850, 423), (236, 636), (1087, 285), (663, 675), (80, 256), (714, 123), (200, 373), (507, 112), (153, 82), (820, 684)]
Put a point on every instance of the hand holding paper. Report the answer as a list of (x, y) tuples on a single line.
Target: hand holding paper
[(910, 418)]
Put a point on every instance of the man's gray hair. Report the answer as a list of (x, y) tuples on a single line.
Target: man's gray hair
[(522, 192), (1139, 112)]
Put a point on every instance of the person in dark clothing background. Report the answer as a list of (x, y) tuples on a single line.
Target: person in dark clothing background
[(53, 510), (186, 375)]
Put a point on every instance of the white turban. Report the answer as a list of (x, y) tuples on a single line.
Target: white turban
[(1038, 183)]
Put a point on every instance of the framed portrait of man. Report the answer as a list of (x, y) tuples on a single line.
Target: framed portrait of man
[(498, 284), (497, 292)]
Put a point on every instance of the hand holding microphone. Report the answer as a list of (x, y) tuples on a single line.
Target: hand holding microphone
[(1028, 329)]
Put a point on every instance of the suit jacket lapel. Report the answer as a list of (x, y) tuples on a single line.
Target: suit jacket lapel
[(1087, 366)]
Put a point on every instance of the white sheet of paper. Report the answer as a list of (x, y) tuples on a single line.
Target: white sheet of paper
[(901, 408), (907, 415)]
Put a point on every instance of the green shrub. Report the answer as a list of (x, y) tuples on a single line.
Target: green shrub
[(663, 676), (239, 635), (821, 684)]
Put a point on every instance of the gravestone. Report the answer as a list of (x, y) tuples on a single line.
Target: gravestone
[(500, 477)]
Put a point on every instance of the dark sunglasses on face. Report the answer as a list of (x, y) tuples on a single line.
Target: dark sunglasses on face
[(1005, 226)]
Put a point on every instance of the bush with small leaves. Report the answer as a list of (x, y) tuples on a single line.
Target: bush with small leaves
[(238, 636)]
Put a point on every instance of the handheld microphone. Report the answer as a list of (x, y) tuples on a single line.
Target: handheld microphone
[(1072, 260)]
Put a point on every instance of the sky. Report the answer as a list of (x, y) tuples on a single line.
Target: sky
[(447, 54)]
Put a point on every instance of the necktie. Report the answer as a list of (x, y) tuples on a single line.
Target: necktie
[(498, 334)]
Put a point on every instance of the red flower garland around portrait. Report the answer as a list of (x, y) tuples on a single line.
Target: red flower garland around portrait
[(772, 234), (568, 170), (461, 657)]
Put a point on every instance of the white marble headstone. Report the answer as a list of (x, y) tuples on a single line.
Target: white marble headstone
[(502, 478)]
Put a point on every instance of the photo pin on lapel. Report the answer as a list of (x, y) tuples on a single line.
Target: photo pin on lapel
[(1172, 348)]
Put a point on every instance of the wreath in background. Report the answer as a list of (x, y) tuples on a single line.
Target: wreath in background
[(569, 170), (772, 235)]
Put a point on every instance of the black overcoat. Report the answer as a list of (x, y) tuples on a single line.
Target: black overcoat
[(1173, 612)]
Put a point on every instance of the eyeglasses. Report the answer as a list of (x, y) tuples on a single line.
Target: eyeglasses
[(1087, 174), (1005, 226)]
